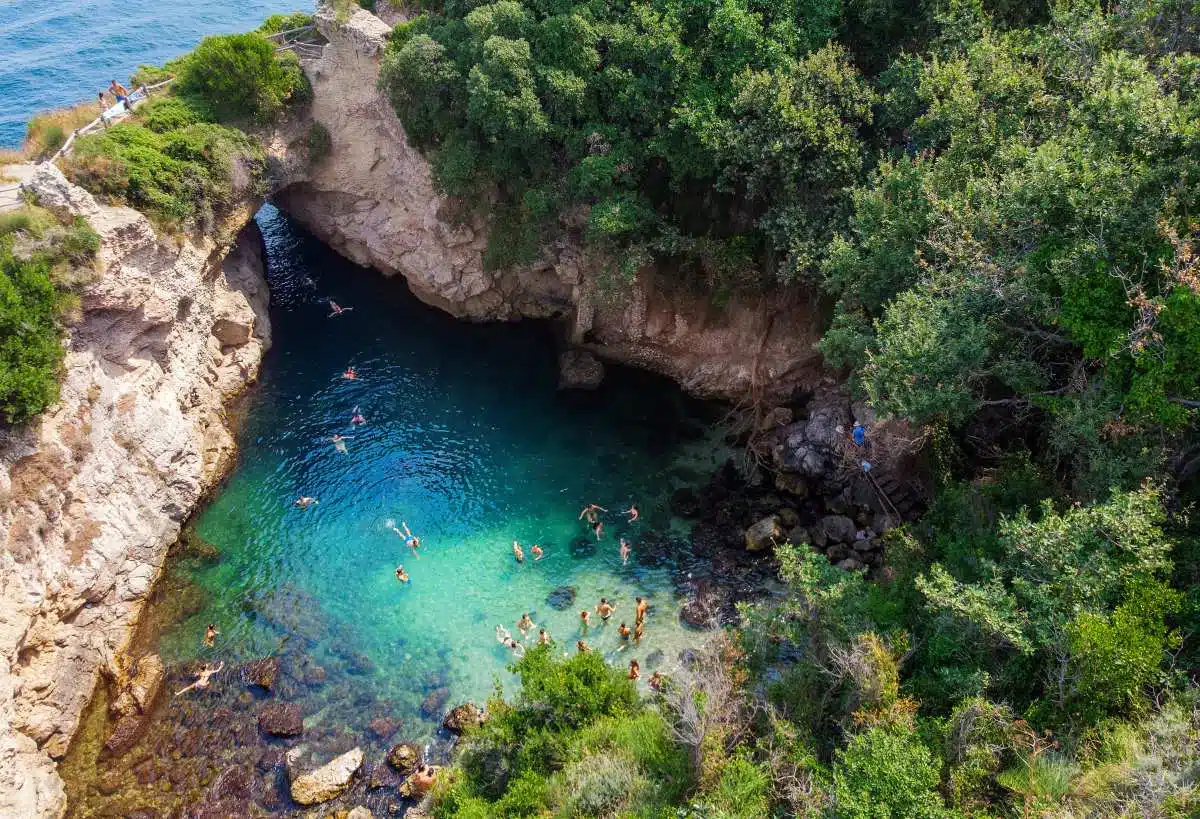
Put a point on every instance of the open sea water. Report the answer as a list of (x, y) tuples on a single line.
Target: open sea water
[(54, 54)]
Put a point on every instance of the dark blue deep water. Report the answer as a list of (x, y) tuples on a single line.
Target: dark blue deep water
[(54, 54)]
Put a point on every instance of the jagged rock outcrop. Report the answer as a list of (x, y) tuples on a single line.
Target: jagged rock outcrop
[(93, 493), (372, 198)]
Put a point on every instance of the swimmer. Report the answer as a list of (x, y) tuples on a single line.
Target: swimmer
[(401, 575), (304, 501), (625, 550), (357, 418), (624, 631), (537, 552), (586, 617), (642, 608), (638, 631), (337, 309), (517, 648), (502, 635), (524, 624), (517, 553), (590, 511), (410, 540), (604, 609), (339, 442), (582, 647), (210, 635), (543, 637), (635, 670), (656, 681), (632, 511), (350, 374), (599, 529), (203, 677)]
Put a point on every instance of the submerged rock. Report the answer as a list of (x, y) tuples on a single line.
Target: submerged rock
[(583, 547), (262, 673), (124, 734), (579, 370), (382, 727), (685, 503), (434, 702), (281, 719), (404, 757), (360, 812), (462, 717), (764, 534), (328, 781), (561, 598), (135, 692)]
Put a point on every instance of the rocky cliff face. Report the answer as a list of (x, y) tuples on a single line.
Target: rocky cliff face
[(94, 492), (373, 199)]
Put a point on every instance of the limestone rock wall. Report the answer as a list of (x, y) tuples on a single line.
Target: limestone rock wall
[(93, 493), (372, 198)]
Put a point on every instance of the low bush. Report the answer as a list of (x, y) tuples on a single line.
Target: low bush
[(318, 142), (150, 75), (887, 774), (49, 131), (167, 113), (285, 22), (239, 78), (180, 178)]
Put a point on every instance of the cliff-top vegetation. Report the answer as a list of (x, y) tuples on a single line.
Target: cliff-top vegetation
[(999, 204)]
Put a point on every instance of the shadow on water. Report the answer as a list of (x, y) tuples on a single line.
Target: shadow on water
[(467, 441)]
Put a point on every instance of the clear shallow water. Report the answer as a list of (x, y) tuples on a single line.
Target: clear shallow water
[(468, 441), (54, 54)]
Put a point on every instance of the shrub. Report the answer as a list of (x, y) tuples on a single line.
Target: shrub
[(742, 791), (600, 785), (887, 774), (285, 22), (30, 351), (150, 75), (49, 131), (167, 113), (318, 143), (239, 78)]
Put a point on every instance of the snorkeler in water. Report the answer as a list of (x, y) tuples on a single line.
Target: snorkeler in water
[(625, 550), (337, 309), (401, 575), (517, 553), (357, 418), (537, 552), (304, 501)]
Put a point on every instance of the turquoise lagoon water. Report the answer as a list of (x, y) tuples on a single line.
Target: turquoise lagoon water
[(469, 442), (59, 53)]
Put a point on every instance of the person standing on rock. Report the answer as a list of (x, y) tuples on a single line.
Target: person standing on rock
[(210, 635)]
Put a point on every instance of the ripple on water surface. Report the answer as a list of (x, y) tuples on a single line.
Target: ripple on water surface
[(468, 442)]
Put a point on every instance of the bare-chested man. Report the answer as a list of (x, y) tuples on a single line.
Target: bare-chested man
[(518, 553), (625, 550), (604, 609), (624, 631), (642, 608), (543, 637), (525, 624)]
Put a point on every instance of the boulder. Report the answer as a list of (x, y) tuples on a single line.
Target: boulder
[(788, 517), (696, 613), (329, 781), (233, 783), (579, 370), (798, 536), (792, 484), (561, 598), (884, 522), (360, 812), (837, 528), (138, 691), (124, 734), (434, 702), (262, 673), (764, 534), (850, 564), (463, 716), (281, 719), (404, 757)]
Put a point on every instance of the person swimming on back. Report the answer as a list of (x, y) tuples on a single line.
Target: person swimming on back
[(517, 553), (350, 374), (210, 635), (524, 624), (357, 418), (624, 631), (604, 609), (635, 670), (632, 512), (543, 637), (337, 309), (401, 575), (304, 501), (625, 550), (410, 540), (339, 442), (537, 552)]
